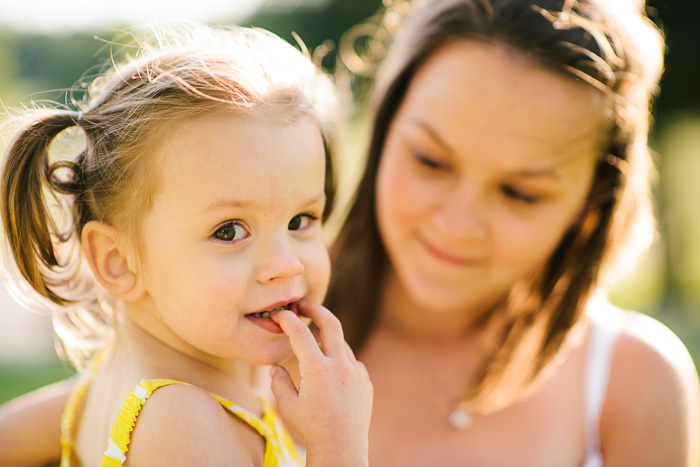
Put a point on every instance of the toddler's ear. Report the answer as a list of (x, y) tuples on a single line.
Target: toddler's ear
[(107, 256)]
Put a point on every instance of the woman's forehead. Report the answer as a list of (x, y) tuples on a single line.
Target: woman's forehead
[(481, 96), (465, 69)]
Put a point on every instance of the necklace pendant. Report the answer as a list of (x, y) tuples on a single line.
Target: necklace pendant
[(460, 419)]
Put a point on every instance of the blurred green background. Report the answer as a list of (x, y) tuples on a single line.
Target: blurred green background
[(38, 66)]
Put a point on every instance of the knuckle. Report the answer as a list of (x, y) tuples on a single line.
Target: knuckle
[(346, 370), (318, 367), (298, 327), (333, 325)]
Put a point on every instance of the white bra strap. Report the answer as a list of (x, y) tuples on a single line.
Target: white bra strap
[(606, 325)]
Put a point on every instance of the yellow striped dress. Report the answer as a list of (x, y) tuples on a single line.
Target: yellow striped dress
[(280, 450)]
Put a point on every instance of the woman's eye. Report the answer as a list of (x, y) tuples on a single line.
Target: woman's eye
[(429, 162), (230, 233), (301, 221), (518, 195)]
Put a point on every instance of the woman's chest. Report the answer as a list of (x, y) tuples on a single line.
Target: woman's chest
[(408, 432), (410, 422)]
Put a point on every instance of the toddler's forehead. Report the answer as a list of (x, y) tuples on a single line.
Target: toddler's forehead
[(232, 153)]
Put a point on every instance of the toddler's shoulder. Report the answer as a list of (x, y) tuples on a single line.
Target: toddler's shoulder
[(182, 424)]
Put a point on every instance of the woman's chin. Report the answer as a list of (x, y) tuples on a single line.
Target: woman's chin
[(446, 301)]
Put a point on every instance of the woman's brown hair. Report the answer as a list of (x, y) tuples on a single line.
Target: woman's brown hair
[(611, 46)]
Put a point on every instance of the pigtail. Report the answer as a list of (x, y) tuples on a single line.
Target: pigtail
[(29, 186)]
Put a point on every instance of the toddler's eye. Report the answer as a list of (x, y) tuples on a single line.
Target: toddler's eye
[(518, 195), (300, 221), (230, 232)]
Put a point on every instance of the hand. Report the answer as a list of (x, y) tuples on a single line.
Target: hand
[(331, 410)]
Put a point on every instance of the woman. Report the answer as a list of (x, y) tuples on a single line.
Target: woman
[(507, 177), (506, 183)]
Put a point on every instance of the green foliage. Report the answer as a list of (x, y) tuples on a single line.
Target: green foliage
[(42, 67), (314, 25), (16, 380)]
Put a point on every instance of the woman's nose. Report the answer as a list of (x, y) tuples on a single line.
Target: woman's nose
[(279, 262), (461, 214)]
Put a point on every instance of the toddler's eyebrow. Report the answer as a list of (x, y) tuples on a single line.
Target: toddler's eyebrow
[(242, 203), (229, 203)]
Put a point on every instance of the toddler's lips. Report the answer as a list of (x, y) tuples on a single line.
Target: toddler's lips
[(262, 318), (292, 306)]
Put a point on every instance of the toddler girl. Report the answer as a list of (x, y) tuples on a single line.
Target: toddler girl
[(196, 204)]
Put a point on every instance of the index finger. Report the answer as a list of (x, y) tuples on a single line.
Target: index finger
[(303, 342), (330, 329)]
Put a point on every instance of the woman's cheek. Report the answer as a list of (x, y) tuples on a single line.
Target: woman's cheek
[(528, 241), (405, 194)]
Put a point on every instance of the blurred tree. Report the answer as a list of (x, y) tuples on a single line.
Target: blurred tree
[(678, 19), (678, 100), (45, 67), (8, 69), (315, 21)]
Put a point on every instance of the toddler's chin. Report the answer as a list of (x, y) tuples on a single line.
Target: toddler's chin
[(281, 357)]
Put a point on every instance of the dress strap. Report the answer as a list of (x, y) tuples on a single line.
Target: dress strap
[(70, 410), (69, 414), (119, 439), (280, 448)]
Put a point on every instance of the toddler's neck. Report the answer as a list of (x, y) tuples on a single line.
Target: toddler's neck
[(140, 354)]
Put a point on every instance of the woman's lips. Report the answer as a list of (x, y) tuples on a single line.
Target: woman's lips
[(450, 258)]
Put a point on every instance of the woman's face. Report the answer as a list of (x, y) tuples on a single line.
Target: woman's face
[(487, 163)]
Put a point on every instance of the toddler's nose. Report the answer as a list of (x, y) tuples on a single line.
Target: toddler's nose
[(280, 262)]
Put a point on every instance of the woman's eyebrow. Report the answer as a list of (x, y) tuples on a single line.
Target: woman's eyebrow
[(431, 132), (544, 172)]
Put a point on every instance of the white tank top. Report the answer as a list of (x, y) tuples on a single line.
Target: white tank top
[(606, 325)]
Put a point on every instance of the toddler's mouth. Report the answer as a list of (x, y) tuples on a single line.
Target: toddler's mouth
[(291, 306)]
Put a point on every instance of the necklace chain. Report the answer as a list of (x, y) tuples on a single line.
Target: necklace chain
[(458, 417)]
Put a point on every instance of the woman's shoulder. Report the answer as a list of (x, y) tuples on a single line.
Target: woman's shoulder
[(646, 348), (651, 408), (641, 338), (651, 340), (183, 424)]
